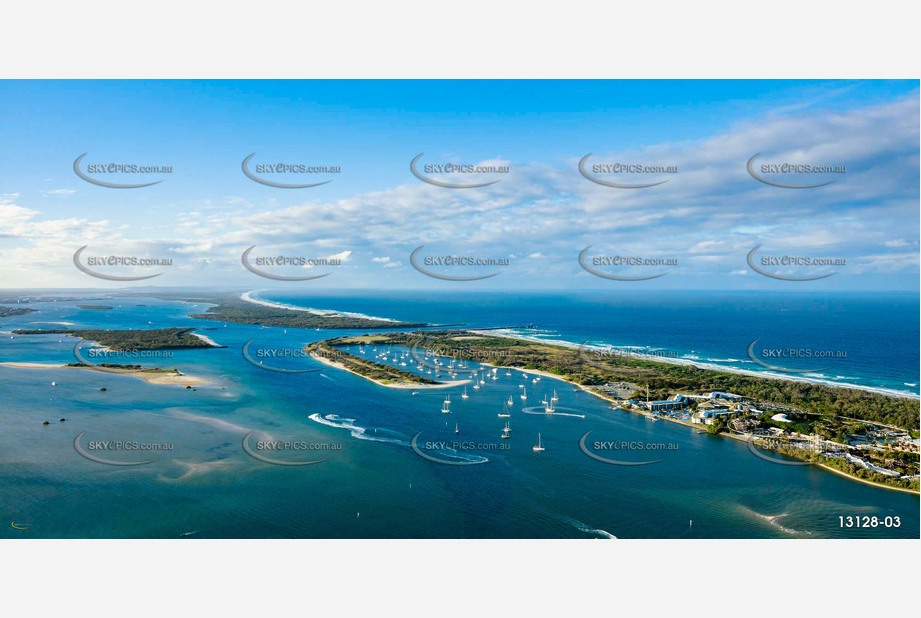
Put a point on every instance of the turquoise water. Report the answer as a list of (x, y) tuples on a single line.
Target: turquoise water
[(374, 484)]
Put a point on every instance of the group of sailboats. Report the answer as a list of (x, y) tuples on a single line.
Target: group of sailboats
[(480, 380)]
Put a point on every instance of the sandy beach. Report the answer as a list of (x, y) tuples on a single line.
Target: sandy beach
[(207, 340), (248, 297), (176, 379)]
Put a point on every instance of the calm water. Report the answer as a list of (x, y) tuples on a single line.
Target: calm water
[(375, 484)]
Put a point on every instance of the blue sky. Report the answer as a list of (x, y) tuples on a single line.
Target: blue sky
[(707, 217)]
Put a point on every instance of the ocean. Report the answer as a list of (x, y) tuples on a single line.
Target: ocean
[(382, 461)]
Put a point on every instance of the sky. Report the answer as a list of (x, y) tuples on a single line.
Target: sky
[(699, 226)]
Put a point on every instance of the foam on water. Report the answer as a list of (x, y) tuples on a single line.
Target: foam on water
[(374, 434)]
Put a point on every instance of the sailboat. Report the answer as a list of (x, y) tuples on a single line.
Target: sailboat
[(549, 409), (456, 428), (446, 406), (504, 413), (508, 374), (506, 431), (539, 447), (465, 395), (524, 394), (555, 397), (511, 401)]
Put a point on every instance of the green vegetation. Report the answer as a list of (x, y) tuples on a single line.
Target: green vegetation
[(365, 368), (6, 312), (592, 368), (241, 312), (132, 340), (123, 367)]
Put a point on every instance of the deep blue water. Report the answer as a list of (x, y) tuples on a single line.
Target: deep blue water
[(875, 335), (375, 485)]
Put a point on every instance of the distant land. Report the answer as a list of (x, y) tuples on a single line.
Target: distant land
[(232, 309), (132, 340), (6, 312)]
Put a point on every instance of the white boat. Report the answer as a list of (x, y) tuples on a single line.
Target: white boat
[(507, 428), (549, 409), (511, 401), (539, 447), (446, 405), (456, 428), (508, 373), (524, 394), (476, 387), (465, 395), (555, 397), (504, 413)]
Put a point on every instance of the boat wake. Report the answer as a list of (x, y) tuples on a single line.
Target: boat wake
[(772, 519), (578, 525), (374, 434), (454, 454), (538, 411)]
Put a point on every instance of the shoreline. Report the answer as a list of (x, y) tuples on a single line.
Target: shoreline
[(868, 482), (151, 377), (692, 426), (207, 340), (399, 385), (670, 360), (329, 313)]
